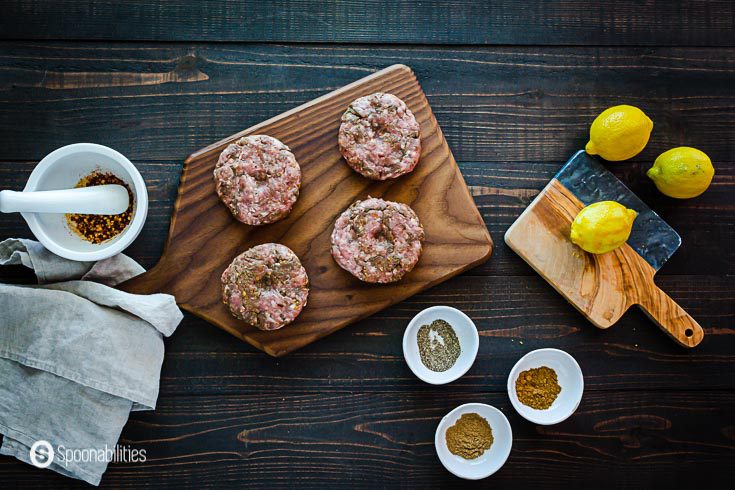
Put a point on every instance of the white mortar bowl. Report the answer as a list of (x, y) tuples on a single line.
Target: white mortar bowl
[(62, 169)]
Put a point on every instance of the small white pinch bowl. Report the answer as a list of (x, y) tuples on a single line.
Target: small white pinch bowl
[(492, 459), (466, 332), (62, 169), (569, 376)]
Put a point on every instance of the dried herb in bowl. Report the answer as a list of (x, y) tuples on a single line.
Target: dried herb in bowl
[(439, 347), (98, 228)]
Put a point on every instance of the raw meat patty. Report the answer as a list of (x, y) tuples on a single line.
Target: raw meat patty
[(258, 179), (379, 137), (266, 286), (377, 240)]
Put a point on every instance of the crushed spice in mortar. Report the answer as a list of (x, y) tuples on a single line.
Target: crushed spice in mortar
[(98, 228), (439, 346), (470, 436), (538, 387)]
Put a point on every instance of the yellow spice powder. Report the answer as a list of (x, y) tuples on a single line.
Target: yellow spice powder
[(538, 387)]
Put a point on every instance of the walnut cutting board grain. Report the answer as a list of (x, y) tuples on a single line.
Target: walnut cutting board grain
[(204, 237)]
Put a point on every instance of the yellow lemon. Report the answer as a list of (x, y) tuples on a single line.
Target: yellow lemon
[(602, 226), (682, 172), (619, 133)]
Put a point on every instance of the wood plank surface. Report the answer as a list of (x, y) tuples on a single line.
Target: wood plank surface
[(506, 113), (617, 440), (514, 315), (501, 192), (514, 86), (627, 22), (515, 105)]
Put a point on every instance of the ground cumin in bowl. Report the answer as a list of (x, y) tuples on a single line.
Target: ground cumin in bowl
[(470, 436), (473, 441)]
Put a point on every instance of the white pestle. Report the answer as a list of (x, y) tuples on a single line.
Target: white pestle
[(100, 199)]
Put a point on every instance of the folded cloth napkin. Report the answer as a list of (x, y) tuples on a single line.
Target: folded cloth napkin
[(76, 356)]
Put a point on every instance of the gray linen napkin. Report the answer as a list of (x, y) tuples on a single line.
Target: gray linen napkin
[(76, 356)]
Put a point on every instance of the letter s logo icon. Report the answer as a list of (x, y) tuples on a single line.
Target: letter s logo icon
[(41, 454)]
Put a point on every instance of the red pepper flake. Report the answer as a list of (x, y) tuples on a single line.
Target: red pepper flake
[(98, 228)]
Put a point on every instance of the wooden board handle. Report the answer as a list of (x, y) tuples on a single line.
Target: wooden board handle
[(671, 317)]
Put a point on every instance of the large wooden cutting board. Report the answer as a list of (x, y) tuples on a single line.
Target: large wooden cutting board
[(204, 237)]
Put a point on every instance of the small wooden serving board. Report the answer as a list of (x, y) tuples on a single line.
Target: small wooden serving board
[(204, 237), (602, 287)]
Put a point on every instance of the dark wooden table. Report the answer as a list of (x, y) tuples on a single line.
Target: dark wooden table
[(514, 86)]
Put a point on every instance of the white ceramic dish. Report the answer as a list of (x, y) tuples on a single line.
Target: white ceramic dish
[(491, 460), (570, 379), (466, 332), (62, 169)]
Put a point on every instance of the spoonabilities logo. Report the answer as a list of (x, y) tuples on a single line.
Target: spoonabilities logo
[(41, 454)]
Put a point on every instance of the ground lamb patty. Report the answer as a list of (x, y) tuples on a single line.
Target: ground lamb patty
[(258, 179), (377, 240), (266, 286), (379, 137)]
